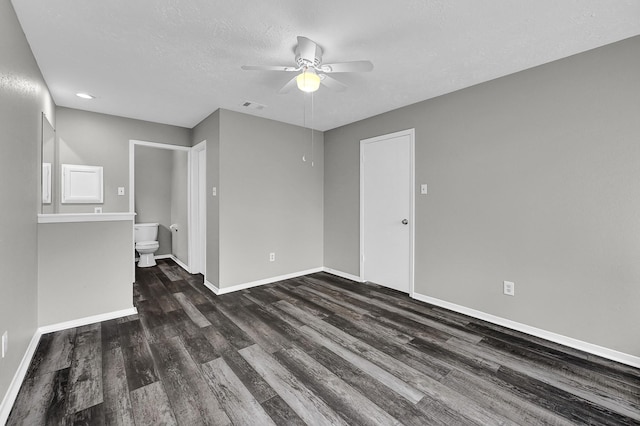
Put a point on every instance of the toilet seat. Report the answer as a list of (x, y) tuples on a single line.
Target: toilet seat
[(147, 245)]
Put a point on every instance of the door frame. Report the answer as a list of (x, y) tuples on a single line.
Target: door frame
[(198, 211), (132, 163), (363, 143)]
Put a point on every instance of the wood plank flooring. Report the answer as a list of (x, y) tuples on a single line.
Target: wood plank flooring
[(315, 350)]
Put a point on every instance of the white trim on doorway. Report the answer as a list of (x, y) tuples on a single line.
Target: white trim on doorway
[(197, 209), (411, 134), (132, 144)]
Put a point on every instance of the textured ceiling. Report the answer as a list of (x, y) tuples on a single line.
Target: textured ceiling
[(177, 61)]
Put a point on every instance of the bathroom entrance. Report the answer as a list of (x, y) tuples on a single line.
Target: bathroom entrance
[(164, 190)]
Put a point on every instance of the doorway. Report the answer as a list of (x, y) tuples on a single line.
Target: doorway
[(187, 211), (387, 210)]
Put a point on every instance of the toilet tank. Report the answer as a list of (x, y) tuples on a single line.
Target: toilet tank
[(145, 232)]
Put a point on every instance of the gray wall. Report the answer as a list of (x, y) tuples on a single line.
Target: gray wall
[(533, 178), (103, 140), (209, 130), (178, 207), (270, 200), (93, 274), (153, 180), (23, 98)]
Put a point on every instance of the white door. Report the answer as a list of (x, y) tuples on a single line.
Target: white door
[(386, 208)]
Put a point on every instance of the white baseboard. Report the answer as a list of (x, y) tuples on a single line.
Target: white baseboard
[(160, 256), (343, 274), (591, 348), (169, 256), (224, 290), (180, 263), (214, 289), (18, 378), (10, 397), (87, 320)]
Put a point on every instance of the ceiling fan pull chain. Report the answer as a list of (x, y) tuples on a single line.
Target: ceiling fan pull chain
[(304, 120), (312, 157)]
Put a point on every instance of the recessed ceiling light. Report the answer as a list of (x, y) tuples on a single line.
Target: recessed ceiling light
[(85, 96)]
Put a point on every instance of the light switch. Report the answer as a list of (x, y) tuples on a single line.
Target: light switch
[(5, 343), (214, 192), (121, 190), (423, 189)]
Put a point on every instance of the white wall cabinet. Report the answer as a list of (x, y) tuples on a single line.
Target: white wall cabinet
[(82, 184)]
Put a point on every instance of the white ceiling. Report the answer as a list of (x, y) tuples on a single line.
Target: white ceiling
[(177, 61)]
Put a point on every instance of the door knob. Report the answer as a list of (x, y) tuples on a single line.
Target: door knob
[(405, 222)]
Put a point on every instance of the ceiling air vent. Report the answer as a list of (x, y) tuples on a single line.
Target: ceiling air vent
[(253, 105)]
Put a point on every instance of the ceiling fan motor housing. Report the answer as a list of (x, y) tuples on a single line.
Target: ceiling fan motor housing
[(309, 61)]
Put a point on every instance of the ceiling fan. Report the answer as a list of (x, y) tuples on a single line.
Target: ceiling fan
[(311, 71)]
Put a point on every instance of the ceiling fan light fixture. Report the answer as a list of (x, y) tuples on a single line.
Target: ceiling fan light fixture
[(308, 81)]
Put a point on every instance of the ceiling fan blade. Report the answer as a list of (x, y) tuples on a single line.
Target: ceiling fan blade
[(308, 49), (332, 83), (287, 87), (354, 66), (267, 68)]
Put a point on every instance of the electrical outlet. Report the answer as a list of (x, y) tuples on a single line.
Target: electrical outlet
[(5, 343), (509, 288), (121, 190), (97, 209), (272, 257), (214, 192), (423, 189)]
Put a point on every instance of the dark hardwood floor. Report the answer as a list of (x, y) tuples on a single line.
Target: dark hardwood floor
[(314, 350)]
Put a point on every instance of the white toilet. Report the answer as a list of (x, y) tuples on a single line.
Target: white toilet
[(145, 236)]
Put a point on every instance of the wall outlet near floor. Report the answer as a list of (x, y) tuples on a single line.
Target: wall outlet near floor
[(509, 288), (272, 257), (97, 210), (121, 190), (5, 343)]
